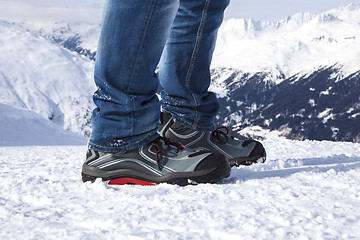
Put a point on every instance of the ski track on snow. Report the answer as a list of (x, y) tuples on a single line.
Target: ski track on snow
[(306, 190)]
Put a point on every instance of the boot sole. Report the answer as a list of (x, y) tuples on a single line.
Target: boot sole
[(129, 176), (247, 161)]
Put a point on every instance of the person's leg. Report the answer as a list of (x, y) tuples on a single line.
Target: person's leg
[(184, 69), (132, 39), (189, 108), (125, 147)]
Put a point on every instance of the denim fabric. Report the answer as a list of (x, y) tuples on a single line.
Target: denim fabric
[(184, 71), (133, 36)]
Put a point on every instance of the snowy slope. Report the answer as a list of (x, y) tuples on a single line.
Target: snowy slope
[(19, 127), (45, 78), (306, 190)]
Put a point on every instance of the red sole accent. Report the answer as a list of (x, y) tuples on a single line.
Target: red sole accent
[(124, 181)]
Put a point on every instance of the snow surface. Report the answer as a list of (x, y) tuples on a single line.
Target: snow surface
[(19, 127), (306, 190)]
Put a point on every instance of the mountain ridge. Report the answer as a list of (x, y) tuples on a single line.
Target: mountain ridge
[(318, 106)]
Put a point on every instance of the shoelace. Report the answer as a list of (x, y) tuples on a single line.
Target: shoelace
[(160, 151), (220, 135)]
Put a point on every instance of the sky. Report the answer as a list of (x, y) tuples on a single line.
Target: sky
[(90, 10), (275, 10)]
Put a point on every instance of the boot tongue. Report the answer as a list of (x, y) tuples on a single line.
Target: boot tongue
[(181, 129)]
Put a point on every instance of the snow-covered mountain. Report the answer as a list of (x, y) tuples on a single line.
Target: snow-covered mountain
[(298, 76), (78, 36), (74, 25), (45, 78), (300, 43), (316, 106)]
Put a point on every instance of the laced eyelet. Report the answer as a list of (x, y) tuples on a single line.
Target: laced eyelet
[(160, 151), (219, 135)]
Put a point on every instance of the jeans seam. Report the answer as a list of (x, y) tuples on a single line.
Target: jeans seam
[(147, 24), (193, 58), (132, 113)]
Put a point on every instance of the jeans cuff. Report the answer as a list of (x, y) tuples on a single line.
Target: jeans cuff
[(198, 126), (123, 145)]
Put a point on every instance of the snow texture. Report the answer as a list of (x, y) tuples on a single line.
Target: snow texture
[(306, 190)]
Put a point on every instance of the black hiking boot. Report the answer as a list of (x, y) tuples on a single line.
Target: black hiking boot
[(160, 161), (237, 151)]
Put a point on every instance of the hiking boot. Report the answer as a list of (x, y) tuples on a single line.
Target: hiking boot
[(237, 151), (160, 161)]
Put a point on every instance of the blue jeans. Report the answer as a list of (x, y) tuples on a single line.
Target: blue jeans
[(137, 36)]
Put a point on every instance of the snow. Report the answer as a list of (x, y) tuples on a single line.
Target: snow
[(306, 190), (301, 43), (45, 78), (326, 115), (19, 127), (312, 102)]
